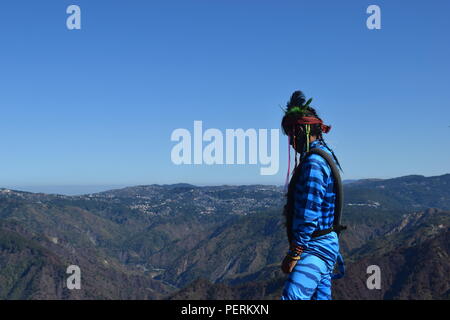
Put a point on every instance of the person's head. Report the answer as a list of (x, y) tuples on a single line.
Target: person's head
[(301, 123)]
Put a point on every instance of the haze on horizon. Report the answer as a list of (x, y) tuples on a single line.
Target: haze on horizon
[(74, 190)]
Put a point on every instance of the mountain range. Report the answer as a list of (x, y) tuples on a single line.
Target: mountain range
[(223, 242)]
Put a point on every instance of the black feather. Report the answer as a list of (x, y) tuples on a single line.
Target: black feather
[(297, 100)]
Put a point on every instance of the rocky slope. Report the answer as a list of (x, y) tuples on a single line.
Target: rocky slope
[(414, 260), (151, 241)]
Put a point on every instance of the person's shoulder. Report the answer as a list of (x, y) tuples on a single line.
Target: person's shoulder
[(317, 162), (315, 159)]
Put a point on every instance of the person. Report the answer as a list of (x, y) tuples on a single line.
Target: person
[(309, 212)]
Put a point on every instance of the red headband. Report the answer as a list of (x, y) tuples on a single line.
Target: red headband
[(313, 120)]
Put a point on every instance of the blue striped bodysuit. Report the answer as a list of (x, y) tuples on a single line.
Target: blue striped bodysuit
[(313, 210)]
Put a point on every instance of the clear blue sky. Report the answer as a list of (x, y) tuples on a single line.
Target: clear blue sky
[(97, 106)]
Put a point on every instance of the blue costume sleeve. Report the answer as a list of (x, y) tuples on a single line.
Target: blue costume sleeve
[(309, 194)]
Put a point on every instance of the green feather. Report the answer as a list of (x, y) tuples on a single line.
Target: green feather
[(299, 109), (295, 110), (308, 102)]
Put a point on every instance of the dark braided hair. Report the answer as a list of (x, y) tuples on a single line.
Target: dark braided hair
[(298, 100), (316, 130)]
